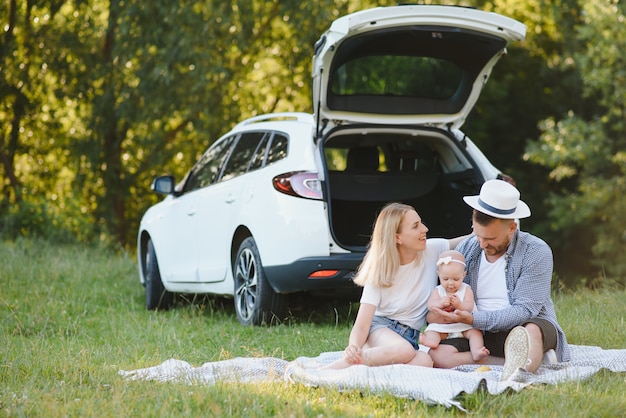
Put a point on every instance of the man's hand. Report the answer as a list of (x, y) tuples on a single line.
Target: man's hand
[(465, 317), (440, 316)]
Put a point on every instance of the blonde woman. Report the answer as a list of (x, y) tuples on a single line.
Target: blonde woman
[(398, 275)]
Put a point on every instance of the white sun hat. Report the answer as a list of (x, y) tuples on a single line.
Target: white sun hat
[(500, 200)]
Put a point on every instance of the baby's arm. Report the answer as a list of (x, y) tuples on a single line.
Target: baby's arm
[(435, 301), (467, 304)]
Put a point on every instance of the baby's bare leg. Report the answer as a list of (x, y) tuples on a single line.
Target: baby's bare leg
[(431, 338), (477, 344)]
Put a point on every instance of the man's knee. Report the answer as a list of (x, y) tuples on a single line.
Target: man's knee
[(534, 332)]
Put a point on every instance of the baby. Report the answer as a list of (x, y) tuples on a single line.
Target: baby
[(450, 295)]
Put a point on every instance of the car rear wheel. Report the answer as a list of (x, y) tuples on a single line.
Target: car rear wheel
[(256, 303), (156, 295)]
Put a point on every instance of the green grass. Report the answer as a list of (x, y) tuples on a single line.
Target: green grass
[(71, 317)]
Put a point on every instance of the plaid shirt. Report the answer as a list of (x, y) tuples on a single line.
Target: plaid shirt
[(528, 279)]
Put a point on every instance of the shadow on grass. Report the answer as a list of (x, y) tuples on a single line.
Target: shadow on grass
[(322, 309)]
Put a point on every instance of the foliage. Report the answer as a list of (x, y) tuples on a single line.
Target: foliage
[(36, 218), (72, 316), (534, 81), (97, 97), (586, 150), (131, 90), (216, 59), (41, 91)]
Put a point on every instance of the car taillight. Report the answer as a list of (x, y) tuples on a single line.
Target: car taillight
[(323, 274), (299, 183)]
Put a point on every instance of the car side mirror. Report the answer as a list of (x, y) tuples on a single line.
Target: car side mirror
[(163, 184)]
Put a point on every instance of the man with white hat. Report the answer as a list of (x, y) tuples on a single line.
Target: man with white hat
[(510, 272)]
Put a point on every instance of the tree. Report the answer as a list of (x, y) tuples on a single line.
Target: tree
[(172, 77), (586, 150), (37, 118), (532, 82), (96, 98)]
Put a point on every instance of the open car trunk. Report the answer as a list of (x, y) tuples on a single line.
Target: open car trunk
[(392, 86), (368, 168)]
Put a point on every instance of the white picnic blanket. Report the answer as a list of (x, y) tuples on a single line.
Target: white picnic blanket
[(433, 386)]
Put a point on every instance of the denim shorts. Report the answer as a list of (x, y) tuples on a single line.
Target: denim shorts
[(405, 331)]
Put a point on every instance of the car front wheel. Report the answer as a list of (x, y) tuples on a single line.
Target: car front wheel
[(156, 295), (256, 303)]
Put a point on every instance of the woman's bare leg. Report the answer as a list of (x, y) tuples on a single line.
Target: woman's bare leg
[(384, 346), (421, 359)]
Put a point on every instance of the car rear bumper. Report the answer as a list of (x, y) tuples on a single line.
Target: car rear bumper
[(295, 277)]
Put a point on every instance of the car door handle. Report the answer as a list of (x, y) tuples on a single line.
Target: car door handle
[(191, 212), (230, 199)]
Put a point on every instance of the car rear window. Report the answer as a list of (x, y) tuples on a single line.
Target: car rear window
[(421, 70), (430, 78)]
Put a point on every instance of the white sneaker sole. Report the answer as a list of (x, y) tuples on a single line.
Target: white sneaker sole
[(516, 351)]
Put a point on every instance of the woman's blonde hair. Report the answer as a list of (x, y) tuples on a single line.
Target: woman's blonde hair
[(382, 260)]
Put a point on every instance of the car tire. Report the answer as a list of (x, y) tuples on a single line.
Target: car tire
[(156, 295), (256, 303)]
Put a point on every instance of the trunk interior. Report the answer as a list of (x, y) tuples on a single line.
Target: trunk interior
[(428, 171)]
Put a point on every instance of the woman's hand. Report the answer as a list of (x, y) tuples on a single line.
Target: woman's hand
[(352, 354)]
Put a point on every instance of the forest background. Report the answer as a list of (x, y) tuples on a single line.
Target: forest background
[(97, 97)]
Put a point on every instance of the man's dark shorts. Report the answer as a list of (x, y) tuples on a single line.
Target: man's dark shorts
[(494, 341)]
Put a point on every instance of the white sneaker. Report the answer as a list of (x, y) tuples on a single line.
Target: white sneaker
[(549, 357), (516, 351)]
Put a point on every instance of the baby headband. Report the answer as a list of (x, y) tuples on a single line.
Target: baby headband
[(447, 260)]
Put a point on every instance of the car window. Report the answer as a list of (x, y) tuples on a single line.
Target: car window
[(207, 169), (259, 155), (243, 153), (387, 75), (278, 148)]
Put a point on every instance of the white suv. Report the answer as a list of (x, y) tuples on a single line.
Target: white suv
[(286, 202)]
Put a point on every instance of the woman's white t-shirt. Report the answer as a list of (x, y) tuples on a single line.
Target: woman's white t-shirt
[(406, 300)]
